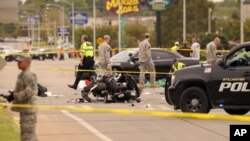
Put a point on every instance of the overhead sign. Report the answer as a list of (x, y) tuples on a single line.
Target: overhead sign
[(32, 20), (62, 30), (126, 6), (79, 18)]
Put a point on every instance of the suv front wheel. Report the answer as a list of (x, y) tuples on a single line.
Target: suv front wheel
[(194, 100)]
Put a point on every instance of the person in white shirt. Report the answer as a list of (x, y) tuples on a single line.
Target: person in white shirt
[(196, 48)]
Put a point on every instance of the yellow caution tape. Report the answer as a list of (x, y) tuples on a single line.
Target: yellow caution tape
[(97, 70), (244, 118), (116, 49)]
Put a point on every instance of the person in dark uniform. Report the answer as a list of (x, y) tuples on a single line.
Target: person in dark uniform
[(86, 62), (185, 50)]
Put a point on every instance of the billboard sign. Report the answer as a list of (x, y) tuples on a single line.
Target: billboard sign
[(79, 18), (62, 30), (126, 6)]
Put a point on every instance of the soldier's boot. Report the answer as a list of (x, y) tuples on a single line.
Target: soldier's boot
[(152, 85), (140, 85), (86, 97)]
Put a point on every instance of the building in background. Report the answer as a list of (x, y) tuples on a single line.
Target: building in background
[(8, 11), (246, 10)]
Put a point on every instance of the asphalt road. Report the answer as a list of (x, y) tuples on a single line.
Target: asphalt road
[(77, 126)]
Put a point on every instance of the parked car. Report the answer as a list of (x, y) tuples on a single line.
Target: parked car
[(50, 53), (1, 39), (10, 39), (44, 53), (8, 53), (38, 53), (127, 60)]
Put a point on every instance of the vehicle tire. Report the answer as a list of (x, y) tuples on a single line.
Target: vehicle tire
[(167, 98), (236, 111), (7, 59), (54, 57), (133, 85), (194, 100), (40, 57)]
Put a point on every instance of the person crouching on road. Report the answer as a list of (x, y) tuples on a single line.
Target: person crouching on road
[(104, 54), (175, 67), (86, 62), (146, 62), (25, 93)]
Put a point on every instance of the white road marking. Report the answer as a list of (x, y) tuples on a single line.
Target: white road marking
[(87, 126), (164, 107)]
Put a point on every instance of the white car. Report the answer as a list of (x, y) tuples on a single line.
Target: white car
[(8, 53)]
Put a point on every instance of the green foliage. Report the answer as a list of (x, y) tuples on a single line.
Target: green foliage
[(100, 32), (134, 32), (9, 131), (9, 28), (196, 15), (205, 39), (247, 30)]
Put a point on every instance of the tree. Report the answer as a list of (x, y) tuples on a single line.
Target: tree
[(133, 33), (9, 28), (100, 32), (247, 30), (196, 15)]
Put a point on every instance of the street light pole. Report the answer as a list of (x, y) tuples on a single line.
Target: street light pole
[(241, 22), (94, 29), (73, 19), (184, 20), (73, 24), (63, 25), (209, 20), (119, 26), (158, 29), (62, 8)]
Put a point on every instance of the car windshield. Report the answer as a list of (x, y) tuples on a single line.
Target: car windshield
[(123, 55)]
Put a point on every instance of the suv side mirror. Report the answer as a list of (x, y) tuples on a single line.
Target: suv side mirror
[(222, 62)]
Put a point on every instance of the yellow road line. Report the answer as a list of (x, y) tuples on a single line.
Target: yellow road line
[(138, 112)]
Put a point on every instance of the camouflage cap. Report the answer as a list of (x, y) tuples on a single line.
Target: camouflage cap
[(23, 57)]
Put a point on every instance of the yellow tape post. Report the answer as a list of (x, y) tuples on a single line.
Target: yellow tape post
[(137, 112)]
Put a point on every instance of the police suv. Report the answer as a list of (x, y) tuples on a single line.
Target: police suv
[(224, 84)]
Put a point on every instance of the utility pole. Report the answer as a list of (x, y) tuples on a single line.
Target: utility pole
[(241, 22), (184, 20)]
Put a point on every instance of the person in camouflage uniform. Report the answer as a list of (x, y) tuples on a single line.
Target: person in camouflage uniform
[(211, 49), (25, 93), (146, 62), (104, 54)]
